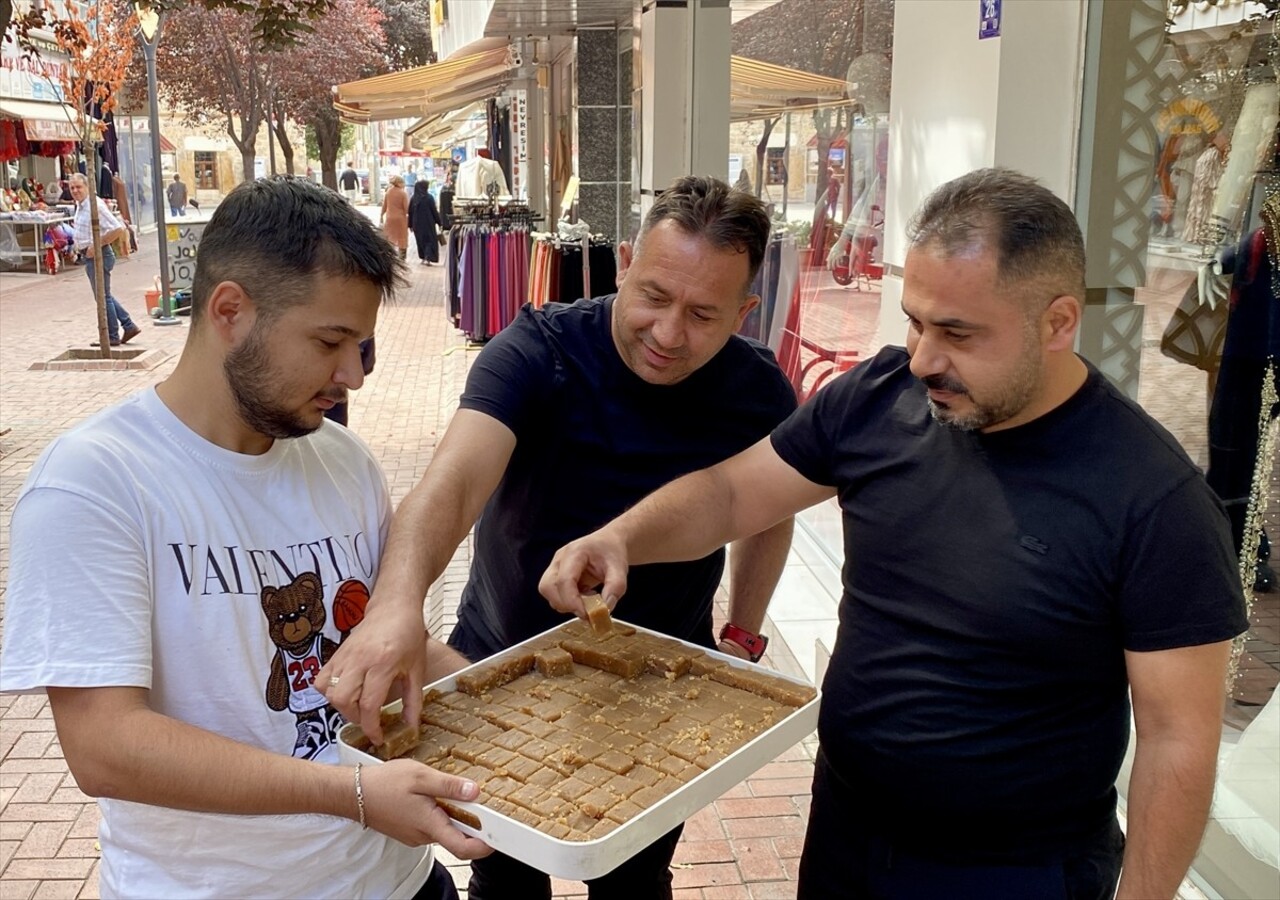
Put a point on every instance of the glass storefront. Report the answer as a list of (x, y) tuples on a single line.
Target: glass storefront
[(136, 161), (1192, 328)]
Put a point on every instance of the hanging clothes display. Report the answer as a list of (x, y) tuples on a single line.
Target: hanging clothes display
[(488, 266), (774, 284), (557, 274)]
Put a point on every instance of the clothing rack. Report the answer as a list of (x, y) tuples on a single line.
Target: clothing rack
[(554, 265), (487, 261)]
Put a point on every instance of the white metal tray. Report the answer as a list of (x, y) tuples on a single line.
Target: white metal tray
[(585, 860)]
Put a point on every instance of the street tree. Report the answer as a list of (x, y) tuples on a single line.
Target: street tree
[(276, 23), (99, 42), (212, 69), (348, 44)]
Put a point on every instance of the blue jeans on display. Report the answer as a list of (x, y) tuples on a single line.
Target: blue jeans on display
[(116, 315)]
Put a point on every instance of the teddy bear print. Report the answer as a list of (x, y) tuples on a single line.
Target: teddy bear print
[(296, 618)]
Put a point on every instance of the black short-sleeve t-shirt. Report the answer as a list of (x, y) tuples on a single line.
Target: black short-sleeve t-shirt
[(977, 693), (592, 439)]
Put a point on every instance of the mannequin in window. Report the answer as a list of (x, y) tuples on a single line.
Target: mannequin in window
[(478, 173)]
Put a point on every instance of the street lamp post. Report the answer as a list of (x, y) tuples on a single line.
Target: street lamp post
[(149, 29)]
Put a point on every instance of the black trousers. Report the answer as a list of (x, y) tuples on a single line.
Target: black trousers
[(845, 859), (438, 886), (645, 876)]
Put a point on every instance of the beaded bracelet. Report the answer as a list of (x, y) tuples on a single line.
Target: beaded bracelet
[(360, 799)]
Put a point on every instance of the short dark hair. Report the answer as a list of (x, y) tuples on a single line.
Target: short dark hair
[(273, 235), (1033, 233), (725, 217)]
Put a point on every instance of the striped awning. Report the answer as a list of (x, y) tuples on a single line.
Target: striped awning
[(425, 91), (42, 121), (758, 89)]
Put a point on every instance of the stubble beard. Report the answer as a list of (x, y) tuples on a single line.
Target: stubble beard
[(252, 380)]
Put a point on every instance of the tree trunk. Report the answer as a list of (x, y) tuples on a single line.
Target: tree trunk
[(247, 144), (95, 229), (328, 129), (760, 152), (282, 138)]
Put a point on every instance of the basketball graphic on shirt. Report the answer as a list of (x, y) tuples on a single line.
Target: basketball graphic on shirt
[(348, 605)]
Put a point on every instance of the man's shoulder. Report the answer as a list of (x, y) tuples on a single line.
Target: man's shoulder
[(113, 439)]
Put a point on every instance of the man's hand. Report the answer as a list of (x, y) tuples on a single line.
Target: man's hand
[(88, 252), (387, 651), (400, 801), (579, 567)]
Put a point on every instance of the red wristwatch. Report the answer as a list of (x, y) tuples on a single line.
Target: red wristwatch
[(754, 644)]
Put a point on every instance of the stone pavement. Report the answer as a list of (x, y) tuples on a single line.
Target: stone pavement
[(746, 845)]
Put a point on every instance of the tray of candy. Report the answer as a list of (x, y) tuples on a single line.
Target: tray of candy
[(588, 748)]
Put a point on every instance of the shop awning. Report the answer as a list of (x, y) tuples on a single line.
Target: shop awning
[(42, 121), (166, 145), (425, 91), (432, 130), (758, 89)]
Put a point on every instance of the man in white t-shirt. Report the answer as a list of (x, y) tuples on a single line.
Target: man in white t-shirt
[(110, 228), (185, 562)]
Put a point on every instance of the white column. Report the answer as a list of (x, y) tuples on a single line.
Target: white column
[(1011, 100), (685, 49)]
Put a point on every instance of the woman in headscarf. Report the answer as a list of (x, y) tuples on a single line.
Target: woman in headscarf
[(424, 219), (395, 215)]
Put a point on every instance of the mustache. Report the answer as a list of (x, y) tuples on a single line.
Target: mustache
[(943, 383), (337, 396)]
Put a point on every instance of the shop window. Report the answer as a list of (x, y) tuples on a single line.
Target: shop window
[(776, 162), (206, 170)]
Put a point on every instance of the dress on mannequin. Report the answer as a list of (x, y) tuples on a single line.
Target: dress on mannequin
[(478, 173), (1208, 172)]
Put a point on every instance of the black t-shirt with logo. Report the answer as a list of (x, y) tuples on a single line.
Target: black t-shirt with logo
[(593, 439), (977, 692)]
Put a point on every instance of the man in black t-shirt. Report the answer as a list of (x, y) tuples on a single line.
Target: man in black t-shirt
[(570, 415), (349, 181), (1024, 549)]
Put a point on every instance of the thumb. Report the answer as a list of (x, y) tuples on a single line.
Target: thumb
[(615, 585), (435, 783)]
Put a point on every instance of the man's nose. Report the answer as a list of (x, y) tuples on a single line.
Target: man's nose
[(668, 329), (927, 357), (350, 371)]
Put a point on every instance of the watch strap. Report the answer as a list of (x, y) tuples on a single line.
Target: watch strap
[(754, 644)]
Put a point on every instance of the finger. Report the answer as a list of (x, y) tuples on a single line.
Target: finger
[(559, 584), (442, 830), (615, 583), (342, 695), (373, 694), (412, 695)]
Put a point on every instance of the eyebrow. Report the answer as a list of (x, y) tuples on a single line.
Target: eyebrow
[(340, 329), (946, 323), (652, 287)]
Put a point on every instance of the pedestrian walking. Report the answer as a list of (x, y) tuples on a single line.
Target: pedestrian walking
[(177, 194), (395, 215), (110, 228), (425, 222)]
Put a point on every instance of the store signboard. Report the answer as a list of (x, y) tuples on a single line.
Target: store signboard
[(26, 78), (519, 144), (989, 19), (182, 239)]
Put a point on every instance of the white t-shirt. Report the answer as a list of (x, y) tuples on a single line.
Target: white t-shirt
[(141, 554)]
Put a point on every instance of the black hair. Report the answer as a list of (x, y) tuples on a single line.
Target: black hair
[(1034, 233), (272, 236), (723, 216)]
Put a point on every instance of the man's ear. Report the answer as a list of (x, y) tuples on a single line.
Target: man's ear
[(626, 253), (749, 304), (230, 311), (1060, 322)]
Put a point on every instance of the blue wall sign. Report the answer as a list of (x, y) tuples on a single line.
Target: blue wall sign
[(989, 19)]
